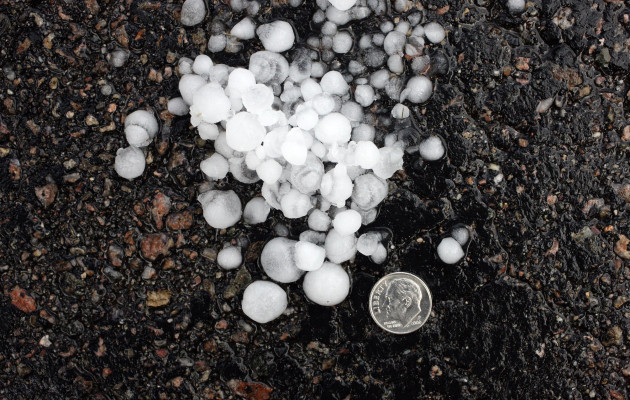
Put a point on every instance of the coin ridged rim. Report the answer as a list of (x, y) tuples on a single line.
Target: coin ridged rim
[(409, 276)]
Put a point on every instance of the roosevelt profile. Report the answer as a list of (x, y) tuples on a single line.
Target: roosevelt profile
[(402, 301)]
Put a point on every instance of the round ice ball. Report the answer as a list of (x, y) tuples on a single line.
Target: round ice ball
[(309, 256), (418, 90), (140, 128), (327, 286), (277, 260), (130, 162), (276, 36), (264, 301), (434, 32), (450, 251), (230, 257), (347, 222), (221, 209), (431, 149)]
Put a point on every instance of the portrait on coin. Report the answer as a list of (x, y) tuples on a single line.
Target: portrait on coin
[(402, 301)]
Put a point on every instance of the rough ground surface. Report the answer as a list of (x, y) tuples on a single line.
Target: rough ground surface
[(107, 292)]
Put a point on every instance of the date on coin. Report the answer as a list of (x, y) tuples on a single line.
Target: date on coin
[(400, 303)]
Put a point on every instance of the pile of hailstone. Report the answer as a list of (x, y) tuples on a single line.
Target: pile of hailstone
[(305, 133)]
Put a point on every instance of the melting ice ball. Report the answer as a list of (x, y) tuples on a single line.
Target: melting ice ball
[(450, 251), (327, 286), (129, 162), (264, 301)]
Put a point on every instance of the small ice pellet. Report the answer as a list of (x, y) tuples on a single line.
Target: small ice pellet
[(229, 257), (208, 131), (202, 65), (333, 83), (449, 251), (244, 132), (368, 243), (333, 128), (276, 36), (418, 90), (328, 285), (278, 262), (363, 132), (329, 28), (264, 301), (364, 95), (317, 238), (400, 111), (129, 162), (516, 6), (140, 128), (394, 42), (177, 106), (309, 256), (323, 103), (221, 209), (217, 43), (337, 16), (395, 64), (343, 5), (256, 211), (258, 98), (379, 79), (318, 220), (432, 148), (434, 32), (209, 104), (342, 42), (461, 234), (369, 190), (380, 254), (309, 89), (193, 12), (295, 204), (269, 171), (366, 153), (340, 248), (215, 167), (347, 222), (245, 29)]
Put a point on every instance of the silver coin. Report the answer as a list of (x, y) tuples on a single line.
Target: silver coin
[(400, 303)]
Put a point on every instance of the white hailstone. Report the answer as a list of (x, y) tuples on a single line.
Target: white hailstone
[(276, 36), (244, 132), (449, 251), (258, 98), (516, 6), (256, 211), (333, 83), (252, 160), (294, 150), (210, 104), (310, 88), (461, 234), (403, 27), (390, 161), (193, 12), (229, 257), (394, 43), (336, 186), (400, 111), (219, 74), (239, 81), (353, 111), (369, 191), (366, 153), (333, 128), (340, 248), (418, 31), (177, 106), (118, 58), (386, 26), (318, 69), (202, 65), (342, 42), (217, 43), (245, 29), (309, 256), (418, 90), (307, 177), (208, 131), (347, 222), (307, 119), (318, 220), (343, 5), (434, 32), (328, 28), (278, 260), (215, 166), (319, 149), (431, 149), (273, 141), (221, 146), (323, 103), (337, 16), (295, 204), (221, 209), (380, 254), (269, 171), (140, 128), (129, 162), (264, 301), (269, 67), (363, 132), (368, 243), (240, 172), (327, 286), (379, 79), (364, 95), (395, 64)]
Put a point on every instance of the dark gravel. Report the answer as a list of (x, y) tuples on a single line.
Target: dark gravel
[(107, 293)]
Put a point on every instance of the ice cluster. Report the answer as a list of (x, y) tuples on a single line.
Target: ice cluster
[(451, 249), (140, 129)]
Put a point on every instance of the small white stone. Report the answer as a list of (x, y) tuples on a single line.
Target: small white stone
[(264, 301), (449, 251), (327, 286)]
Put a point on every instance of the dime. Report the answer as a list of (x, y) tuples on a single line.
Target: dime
[(400, 303)]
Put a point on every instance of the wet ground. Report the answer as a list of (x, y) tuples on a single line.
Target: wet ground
[(107, 291)]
